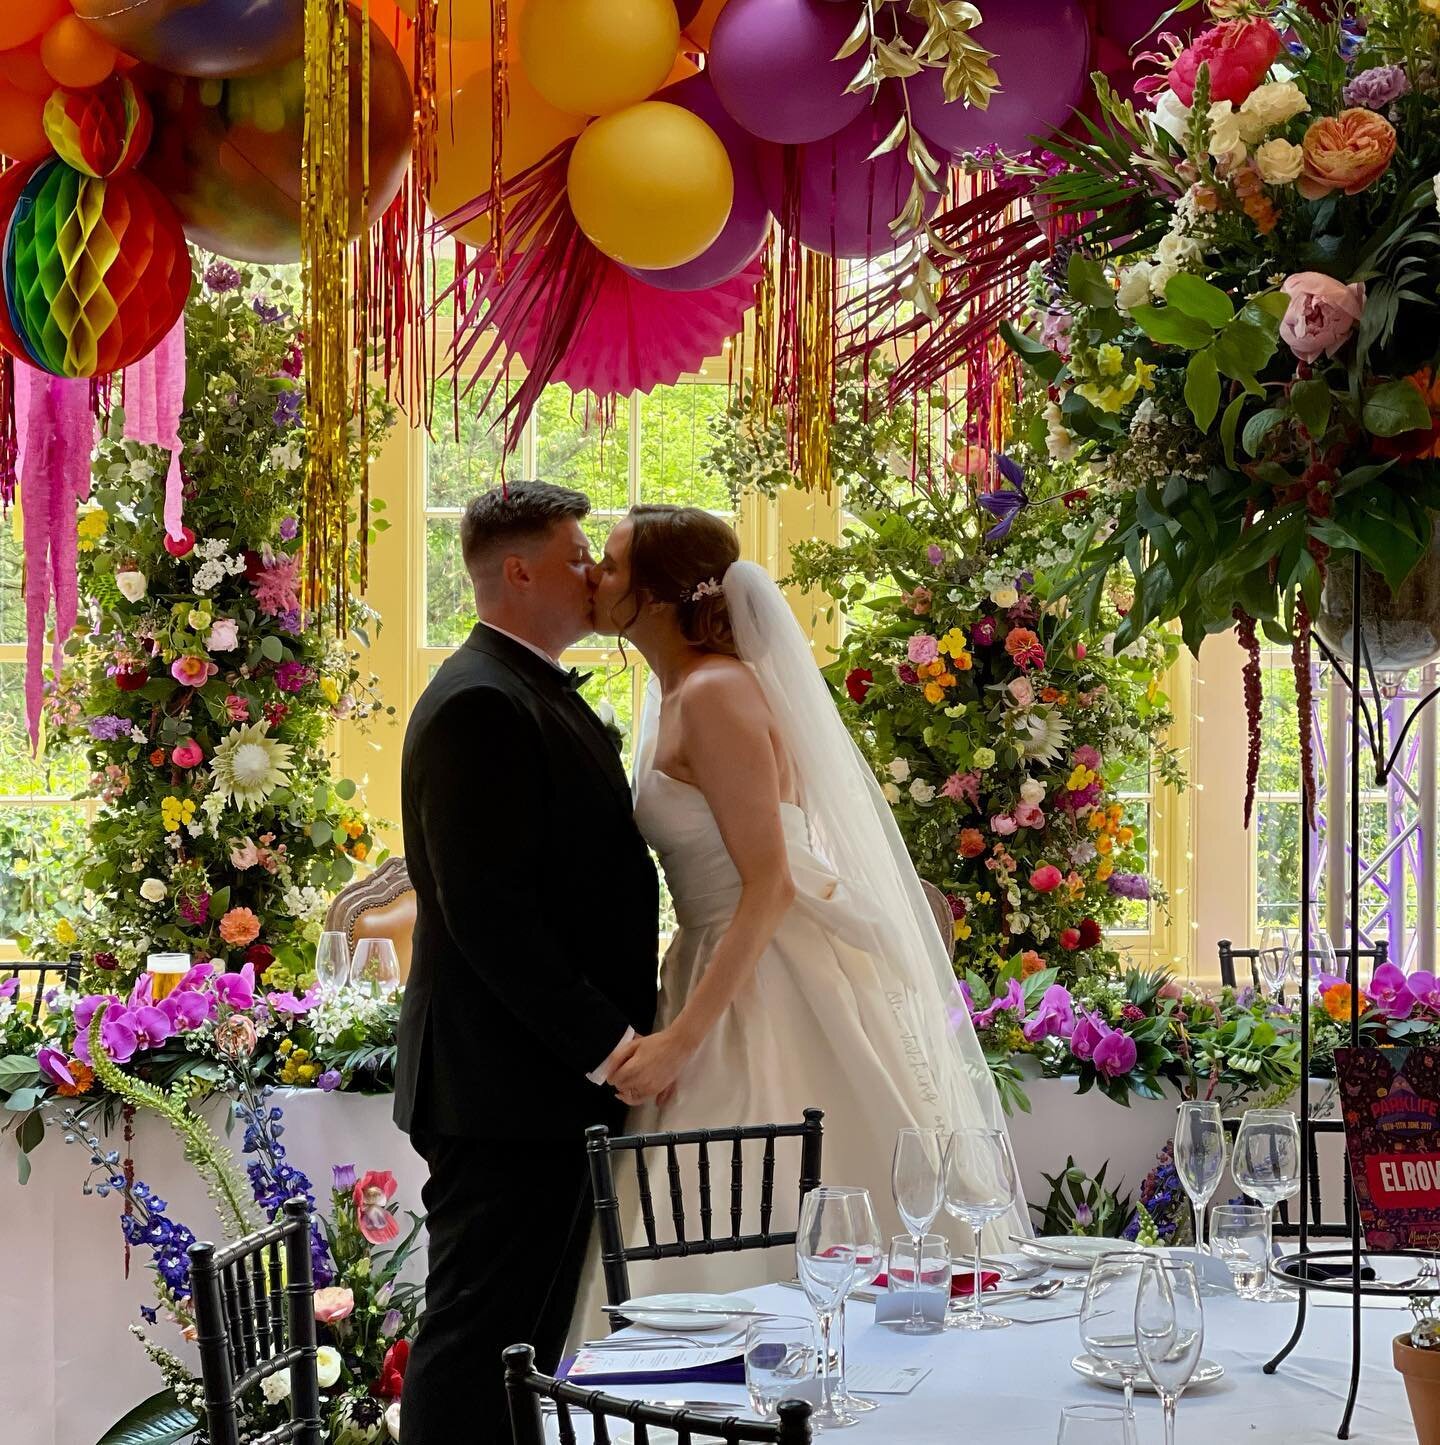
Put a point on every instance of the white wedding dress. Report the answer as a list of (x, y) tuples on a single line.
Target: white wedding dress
[(852, 1008)]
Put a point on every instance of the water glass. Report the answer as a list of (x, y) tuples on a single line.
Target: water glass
[(826, 1254), (1267, 1167), (375, 967), (1273, 960), (980, 1186), (1199, 1156), (917, 1185), (1169, 1330), (332, 961), (932, 1275), (781, 1354), (1239, 1235), (1107, 1316), (1095, 1425)]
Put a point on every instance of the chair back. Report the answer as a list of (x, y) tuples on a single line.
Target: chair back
[(526, 1389), (1378, 953), (615, 1255), (944, 918), (1319, 1227), (255, 1317), (37, 979), (380, 905)]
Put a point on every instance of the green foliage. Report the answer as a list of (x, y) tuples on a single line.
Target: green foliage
[(160, 1420), (1079, 1204)]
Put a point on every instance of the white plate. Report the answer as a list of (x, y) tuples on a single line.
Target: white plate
[(676, 1312), (1206, 1373), (1071, 1251)]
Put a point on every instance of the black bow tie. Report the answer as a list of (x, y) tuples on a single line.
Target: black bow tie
[(574, 680)]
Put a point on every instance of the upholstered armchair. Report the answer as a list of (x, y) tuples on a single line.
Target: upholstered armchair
[(381, 905)]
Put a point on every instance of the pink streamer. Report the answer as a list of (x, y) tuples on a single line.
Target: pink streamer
[(55, 430), (154, 401)]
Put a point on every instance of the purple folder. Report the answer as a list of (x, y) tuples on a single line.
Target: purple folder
[(726, 1372)]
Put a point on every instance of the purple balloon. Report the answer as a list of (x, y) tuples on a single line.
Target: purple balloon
[(846, 201), (212, 39), (1127, 22), (744, 233), (774, 67), (1042, 54)]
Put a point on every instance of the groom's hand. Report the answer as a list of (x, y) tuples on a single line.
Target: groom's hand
[(653, 1065)]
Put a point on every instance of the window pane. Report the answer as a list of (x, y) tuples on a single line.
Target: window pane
[(574, 449), (455, 470), (1277, 858), (12, 604), (674, 437), (38, 847), (449, 597), (62, 775), (1280, 729)]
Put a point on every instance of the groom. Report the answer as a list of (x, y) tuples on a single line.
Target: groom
[(534, 960)]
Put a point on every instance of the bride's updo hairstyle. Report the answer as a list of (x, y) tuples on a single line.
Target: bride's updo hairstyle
[(680, 555)]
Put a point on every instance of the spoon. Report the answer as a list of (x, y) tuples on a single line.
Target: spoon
[(1043, 1290)]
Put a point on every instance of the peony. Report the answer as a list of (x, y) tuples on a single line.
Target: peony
[(1346, 153), (1279, 162), (224, 635), (858, 682), (1029, 816), (922, 649), (188, 754), (1003, 824), (373, 1193), (333, 1304), (239, 927), (1239, 53), (190, 671), (153, 890), (890, 792), (1115, 1054), (1046, 879), (131, 584), (327, 1357), (1322, 314), (1070, 939)]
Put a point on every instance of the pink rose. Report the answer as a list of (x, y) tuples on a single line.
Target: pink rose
[(922, 649), (1239, 54), (1046, 879), (1029, 816), (1021, 691), (224, 635), (1003, 824), (188, 755), (1322, 314), (333, 1304)]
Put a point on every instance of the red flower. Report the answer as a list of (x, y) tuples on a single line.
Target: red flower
[(392, 1371), (157, 758), (182, 545), (106, 961), (1089, 933), (132, 679), (1075, 496), (1070, 939), (858, 682), (1239, 53), (373, 1194), (1025, 648), (260, 956), (972, 843)]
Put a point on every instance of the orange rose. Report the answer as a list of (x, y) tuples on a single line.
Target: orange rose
[(239, 927), (1347, 154), (1030, 963), (971, 844)]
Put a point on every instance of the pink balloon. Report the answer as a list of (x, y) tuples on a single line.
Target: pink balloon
[(1042, 53), (774, 69), (744, 234), (846, 201), (1127, 22)]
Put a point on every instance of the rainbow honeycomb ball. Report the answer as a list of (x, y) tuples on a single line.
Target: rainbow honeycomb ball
[(99, 132)]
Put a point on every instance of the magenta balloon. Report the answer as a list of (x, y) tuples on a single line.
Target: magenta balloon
[(1042, 54), (1127, 22), (846, 201), (744, 234), (773, 65)]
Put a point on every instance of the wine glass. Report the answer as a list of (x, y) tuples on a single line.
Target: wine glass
[(332, 961), (1107, 1316), (375, 968), (869, 1261), (1267, 1167), (979, 1186), (917, 1184), (1238, 1235), (1169, 1330), (826, 1251), (1095, 1425), (1199, 1156), (1273, 960)]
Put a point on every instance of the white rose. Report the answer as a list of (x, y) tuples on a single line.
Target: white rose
[(1270, 105), (327, 1365), (1171, 114), (898, 769), (392, 1419), (1279, 162), (921, 791), (153, 890), (1226, 133), (891, 792), (1134, 286), (276, 1388), (1162, 275), (131, 584), (1175, 251), (1032, 791)]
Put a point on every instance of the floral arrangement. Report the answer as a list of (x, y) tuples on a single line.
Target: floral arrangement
[(1081, 1205), (1243, 345), (202, 695), (365, 1312), (1162, 1212)]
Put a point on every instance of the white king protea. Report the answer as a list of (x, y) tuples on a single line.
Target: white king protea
[(248, 765)]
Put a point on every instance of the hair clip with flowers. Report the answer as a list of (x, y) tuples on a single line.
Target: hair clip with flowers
[(708, 588)]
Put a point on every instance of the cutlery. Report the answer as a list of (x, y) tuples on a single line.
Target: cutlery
[(1028, 1246), (868, 1296), (633, 1313), (1043, 1290), (704, 1407)]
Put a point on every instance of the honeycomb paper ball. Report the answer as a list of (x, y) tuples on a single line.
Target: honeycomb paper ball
[(100, 132)]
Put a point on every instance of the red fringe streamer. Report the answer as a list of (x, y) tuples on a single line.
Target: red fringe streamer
[(1254, 702)]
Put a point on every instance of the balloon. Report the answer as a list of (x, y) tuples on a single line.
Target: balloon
[(463, 140), (96, 271), (686, 11), (847, 201), (1042, 51), (702, 27), (463, 20), (228, 152), (99, 132), (24, 69), (773, 65), (22, 125), (591, 57), (217, 38), (1128, 22), (25, 20), (651, 185), (396, 21), (749, 223), (75, 55)]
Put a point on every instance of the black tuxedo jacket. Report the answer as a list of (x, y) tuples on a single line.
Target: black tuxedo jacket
[(537, 904)]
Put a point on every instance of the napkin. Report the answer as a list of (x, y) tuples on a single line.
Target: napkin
[(726, 1372), (961, 1285)]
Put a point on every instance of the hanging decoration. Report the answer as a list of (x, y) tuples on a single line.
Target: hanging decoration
[(154, 399)]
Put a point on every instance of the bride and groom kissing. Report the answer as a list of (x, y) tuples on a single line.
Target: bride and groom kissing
[(806, 969)]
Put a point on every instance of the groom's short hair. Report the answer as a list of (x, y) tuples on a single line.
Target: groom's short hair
[(498, 521)]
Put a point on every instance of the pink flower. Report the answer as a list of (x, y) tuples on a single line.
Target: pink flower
[(237, 707), (373, 1193), (244, 854), (1087, 1035), (292, 676), (276, 586), (187, 1010), (1021, 691), (239, 927), (922, 649), (189, 754), (1322, 314), (193, 671), (53, 1065), (1003, 824), (333, 1304), (1055, 332), (1115, 1054), (1011, 1001), (1080, 651), (919, 601), (1239, 54), (1028, 815), (962, 787), (237, 989), (224, 635), (1055, 1017), (1087, 757), (1046, 879), (1171, 989)]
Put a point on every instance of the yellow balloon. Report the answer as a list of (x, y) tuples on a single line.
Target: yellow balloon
[(651, 185), (591, 57), (469, 19), (463, 139)]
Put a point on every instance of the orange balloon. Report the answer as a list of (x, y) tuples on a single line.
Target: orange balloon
[(470, 20), (685, 66), (75, 55), (702, 27), (22, 125), (25, 20), (24, 69)]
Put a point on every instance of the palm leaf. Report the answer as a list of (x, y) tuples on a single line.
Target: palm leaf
[(160, 1420)]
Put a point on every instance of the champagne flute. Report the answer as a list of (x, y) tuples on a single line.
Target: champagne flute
[(1169, 1330), (1199, 1156), (917, 1184), (825, 1259), (869, 1261), (1107, 1316), (375, 968), (1267, 1167), (332, 961), (979, 1187)]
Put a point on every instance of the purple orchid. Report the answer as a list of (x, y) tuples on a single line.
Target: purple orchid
[(55, 1066), (150, 1025), (1425, 990), (1012, 1000), (1115, 1054), (196, 978), (1389, 993), (1005, 506), (1087, 1035), (87, 1008), (9, 988), (237, 990), (287, 1003), (1055, 1018), (187, 1010)]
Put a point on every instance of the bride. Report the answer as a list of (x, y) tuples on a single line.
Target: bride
[(807, 970)]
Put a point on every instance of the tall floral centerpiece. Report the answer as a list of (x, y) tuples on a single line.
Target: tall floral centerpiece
[(1244, 343), (204, 697)]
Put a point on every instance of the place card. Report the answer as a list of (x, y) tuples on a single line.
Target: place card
[(894, 1307), (883, 1380)]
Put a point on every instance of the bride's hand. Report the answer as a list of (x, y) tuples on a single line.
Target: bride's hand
[(653, 1065)]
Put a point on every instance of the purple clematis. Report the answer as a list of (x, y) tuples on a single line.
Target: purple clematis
[(1005, 506), (1055, 1018)]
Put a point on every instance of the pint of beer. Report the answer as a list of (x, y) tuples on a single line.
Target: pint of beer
[(166, 970)]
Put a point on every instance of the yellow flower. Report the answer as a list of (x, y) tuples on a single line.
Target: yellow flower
[(934, 692), (360, 850), (65, 933), (199, 620), (946, 679), (953, 643), (354, 828), (962, 930), (1111, 359), (963, 661), (1145, 375), (1080, 778), (1126, 836), (1097, 820), (329, 691), (91, 527), (174, 813), (984, 898), (1105, 844), (1104, 869)]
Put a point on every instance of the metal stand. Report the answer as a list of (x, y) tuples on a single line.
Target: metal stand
[(1294, 1268)]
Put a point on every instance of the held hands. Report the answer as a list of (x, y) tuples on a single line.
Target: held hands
[(646, 1068)]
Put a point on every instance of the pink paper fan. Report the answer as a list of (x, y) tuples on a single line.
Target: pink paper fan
[(637, 337)]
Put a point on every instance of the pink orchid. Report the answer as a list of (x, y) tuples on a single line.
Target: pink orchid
[(187, 1010), (53, 1064), (237, 990), (373, 1193), (151, 1026)]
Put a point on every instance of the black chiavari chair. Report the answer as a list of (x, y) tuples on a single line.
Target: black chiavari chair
[(1378, 954), (254, 1318), (1320, 1227), (37, 979), (615, 1255), (526, 1388)]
